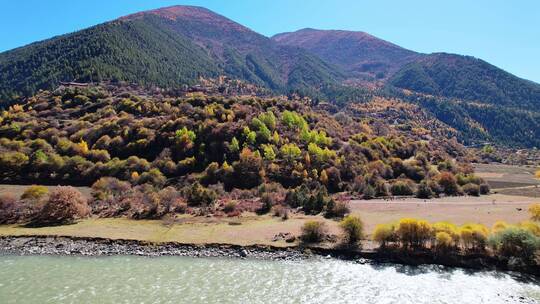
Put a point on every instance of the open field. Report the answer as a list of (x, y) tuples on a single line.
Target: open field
[(501, 176), (246, 230), (518, 189), (459, 210), (251, 229)]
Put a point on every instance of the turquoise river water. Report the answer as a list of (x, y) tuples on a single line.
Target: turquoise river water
[(130, 279)]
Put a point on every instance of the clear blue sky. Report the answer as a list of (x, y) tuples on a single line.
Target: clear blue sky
[(505, 33)]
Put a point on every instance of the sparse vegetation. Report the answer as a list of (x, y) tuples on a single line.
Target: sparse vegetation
[(313, 232), (65, 204), (515, 242), (534, 211), (353, 229), (35, 193)]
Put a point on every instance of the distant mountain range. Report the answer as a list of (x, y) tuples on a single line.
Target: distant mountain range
[(174, 46)]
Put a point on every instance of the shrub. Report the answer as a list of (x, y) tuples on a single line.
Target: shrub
[(198, 195), (484, 189), (247, 171), (279, 211), (471, 189), (314, 203), (384, 233), (448, 183), (229, 206), (142, 203), (533, 227), (413, 232), (169, 201), (448, 228), (297, 197), (11, 209), (35, 193), (499, 225), (424, 190), (337, 209), (353, 228), (369, 192), (474, 236), (65, 204), (268, 200), (402, 188), (313, 232), (154, 177), (443, 241), (106, 187), (515, 242), (464, 179), (534, 211)]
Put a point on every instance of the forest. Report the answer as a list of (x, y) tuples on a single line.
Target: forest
[(200, 147)]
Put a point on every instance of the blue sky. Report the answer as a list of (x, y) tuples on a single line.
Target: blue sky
[(504, 33)]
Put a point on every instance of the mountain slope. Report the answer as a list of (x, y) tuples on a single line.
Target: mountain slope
[(359, 54), (133, 51), (167, 47), (467, 78)]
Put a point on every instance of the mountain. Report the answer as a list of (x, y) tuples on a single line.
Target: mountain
[(466, 78), (167, 47), (480, 101), (178, 46), (359, 54)]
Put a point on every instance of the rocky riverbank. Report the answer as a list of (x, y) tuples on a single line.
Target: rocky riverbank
[(83, 246), (58, 245)]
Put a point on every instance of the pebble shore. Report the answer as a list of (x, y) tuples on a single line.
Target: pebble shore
[(32, 245), (88, 246)]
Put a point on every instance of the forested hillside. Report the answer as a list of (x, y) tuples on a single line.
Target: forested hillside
[(469, 79), (76, 136), (157, 49), (174, 48)]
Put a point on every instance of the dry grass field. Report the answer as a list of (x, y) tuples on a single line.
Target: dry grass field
[(506, 176), (509, 203), (252, 229), (245, 230)]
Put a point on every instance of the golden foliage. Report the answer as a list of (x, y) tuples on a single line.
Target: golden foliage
[(499, 226), (414, 232), (474, 236), (353, 228), (533, 227), (384, 233), (35, 192), (443, 240), (534, 211)]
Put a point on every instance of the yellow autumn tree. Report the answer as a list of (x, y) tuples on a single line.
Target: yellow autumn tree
[(324, 177), (82, 147)]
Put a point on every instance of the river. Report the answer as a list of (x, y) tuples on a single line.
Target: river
[(132, 279)]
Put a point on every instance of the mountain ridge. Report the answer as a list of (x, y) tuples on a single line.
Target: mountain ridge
[(177, 46), (361, 54)]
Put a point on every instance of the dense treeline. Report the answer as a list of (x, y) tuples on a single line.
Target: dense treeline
[(521, 241), (477, 122), (161, 52), (76, 136), (467, 78)]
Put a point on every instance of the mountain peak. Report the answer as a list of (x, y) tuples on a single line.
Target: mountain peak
[(175, 12), (363, 55), (187, 13)]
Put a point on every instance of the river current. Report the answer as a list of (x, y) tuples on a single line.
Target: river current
[(131, 279)]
